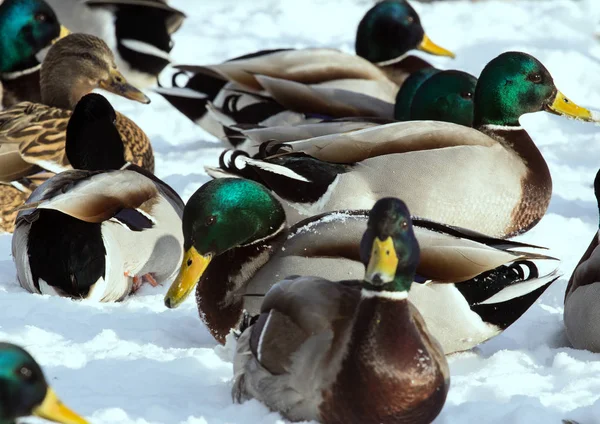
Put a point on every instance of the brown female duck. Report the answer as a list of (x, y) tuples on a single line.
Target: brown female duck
[(32, 135)]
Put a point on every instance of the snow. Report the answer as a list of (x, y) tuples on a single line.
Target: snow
[(137, 362)]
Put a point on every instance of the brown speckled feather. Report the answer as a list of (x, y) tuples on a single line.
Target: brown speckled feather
[(38, 132)]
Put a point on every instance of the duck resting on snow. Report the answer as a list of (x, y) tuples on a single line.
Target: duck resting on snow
[(238, 245), (490, 178), (385, 35), (100, 230), (319, 346)]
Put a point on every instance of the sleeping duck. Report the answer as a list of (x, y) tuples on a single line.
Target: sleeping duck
[(581, 315), (25, 390), (387, 32), (139, 32), (237, 245), (100, 230), (428, 94), (32, 135), (490, 178), (27, 27), (353, 351)]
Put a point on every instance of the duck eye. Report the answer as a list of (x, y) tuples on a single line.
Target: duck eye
[(466, 94), (535, 78), (210, 220), (404, 225), (410, 20), (25, 373), (41, 17)]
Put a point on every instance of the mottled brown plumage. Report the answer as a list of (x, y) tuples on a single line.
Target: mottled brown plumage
[(408, 388), (32, 135)]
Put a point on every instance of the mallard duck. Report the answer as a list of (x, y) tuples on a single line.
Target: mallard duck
[(32, 135), (581, 297), (25, 390), (27, 27), (429, 94), (100, 230), (386, 33), (238, 245), (139, 32), (319, 346), (490, 178)]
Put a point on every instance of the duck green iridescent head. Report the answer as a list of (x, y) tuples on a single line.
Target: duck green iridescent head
[(389, 30), (514, 84), (27, 27), (407, 91), (446, 96), (221, 215), (24, 391), (389, 248)]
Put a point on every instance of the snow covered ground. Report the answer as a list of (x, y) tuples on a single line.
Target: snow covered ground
[(137, 362)]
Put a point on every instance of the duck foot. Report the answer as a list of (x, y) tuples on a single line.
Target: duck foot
[(139, 281)]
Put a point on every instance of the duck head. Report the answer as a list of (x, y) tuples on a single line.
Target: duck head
[(389, 30), (407, 91), (27, 27), (446, 96), (78, 64), (24, 390), (93, 142), (516, 83), (223, 214), (389, 248)]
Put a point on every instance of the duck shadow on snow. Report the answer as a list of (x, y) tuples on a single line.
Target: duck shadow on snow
[(163, 147), (586, 211)]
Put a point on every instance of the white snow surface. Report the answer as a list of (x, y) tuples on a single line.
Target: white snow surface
[(138, 362)]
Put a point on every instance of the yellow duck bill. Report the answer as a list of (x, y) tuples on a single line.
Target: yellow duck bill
[(64, 31), (383, 263), (562, 105), (430, 47), (53, 409), (117, 84), (193, 266)]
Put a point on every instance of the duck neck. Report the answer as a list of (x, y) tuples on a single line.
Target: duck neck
[(222, 286), (536, 185)]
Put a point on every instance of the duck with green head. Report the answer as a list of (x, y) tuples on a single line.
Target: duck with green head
[(446, 96), (490, 178), (237, 245), (24, 390), (319, 345), (27, 27), (385, 35)]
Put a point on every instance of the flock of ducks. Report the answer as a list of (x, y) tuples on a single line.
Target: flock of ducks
[(342, 244)]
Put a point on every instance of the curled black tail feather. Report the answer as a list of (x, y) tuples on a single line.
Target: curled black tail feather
[(485, 285), (270, 148), (489, 283), (227, 163)]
